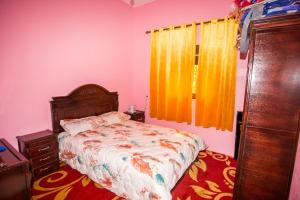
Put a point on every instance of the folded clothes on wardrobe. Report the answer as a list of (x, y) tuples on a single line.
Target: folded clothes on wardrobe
[(280, 7), (260, 10)]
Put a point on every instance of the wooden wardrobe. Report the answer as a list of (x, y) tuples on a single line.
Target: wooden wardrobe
[(270, 130)]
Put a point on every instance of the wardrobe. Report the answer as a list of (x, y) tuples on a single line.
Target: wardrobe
[(270, 129)]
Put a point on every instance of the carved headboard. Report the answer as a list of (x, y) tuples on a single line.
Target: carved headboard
[(84, 101)]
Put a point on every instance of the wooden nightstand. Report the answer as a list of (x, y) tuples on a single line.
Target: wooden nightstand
[(14, 174), (137, 115), (41, 149)]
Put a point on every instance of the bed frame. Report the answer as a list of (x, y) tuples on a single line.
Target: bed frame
[(84, 101)]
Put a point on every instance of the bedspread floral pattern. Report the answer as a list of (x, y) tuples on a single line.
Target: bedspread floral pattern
[(132, 159), (211, 176)]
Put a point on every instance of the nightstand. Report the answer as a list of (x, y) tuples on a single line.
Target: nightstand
[(41, 149), (138, 115)]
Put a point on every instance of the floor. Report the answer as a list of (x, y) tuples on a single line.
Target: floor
[(211, 176)]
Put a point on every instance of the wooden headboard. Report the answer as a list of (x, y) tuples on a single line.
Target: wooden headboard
[(84, 101)]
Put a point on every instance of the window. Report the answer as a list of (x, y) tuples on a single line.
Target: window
[(194, 80), (195, 72)]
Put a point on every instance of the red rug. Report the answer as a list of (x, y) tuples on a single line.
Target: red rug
[(210, 177)]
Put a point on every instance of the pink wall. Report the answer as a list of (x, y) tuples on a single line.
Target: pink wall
[(162, 13), (49, 47)]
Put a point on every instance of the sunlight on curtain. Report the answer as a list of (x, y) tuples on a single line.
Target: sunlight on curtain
[(215, 92), (171, 73)]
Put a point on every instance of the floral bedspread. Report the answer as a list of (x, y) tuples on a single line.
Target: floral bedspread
[(132, 159)]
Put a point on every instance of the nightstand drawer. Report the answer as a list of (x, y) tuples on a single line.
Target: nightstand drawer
[(37, 150), (45, 169), (41, 141), (138, 115), (139, 118), (46, 158)]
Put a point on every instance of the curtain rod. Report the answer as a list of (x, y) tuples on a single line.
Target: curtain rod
[(198, 23)]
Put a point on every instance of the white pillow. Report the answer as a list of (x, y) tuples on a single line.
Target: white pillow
[(114, 117), (74, 126)]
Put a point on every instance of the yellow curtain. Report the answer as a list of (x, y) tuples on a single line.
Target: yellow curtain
[(171, 73), (215, 90)]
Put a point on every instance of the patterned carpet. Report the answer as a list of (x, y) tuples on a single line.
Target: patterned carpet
[(210, 177)]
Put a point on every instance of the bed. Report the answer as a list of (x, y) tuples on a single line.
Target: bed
[(132, 159)]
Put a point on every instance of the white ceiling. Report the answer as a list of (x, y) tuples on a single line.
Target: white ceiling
[(136, 3)]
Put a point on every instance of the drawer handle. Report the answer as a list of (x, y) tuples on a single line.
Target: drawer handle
[(43, 159), (44, 149), (44, 169)]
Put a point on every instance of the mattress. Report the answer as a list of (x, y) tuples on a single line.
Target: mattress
[(132, 159)]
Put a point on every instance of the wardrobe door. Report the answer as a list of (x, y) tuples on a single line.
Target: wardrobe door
[(271, 110), (265, 161), (274, 87)]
